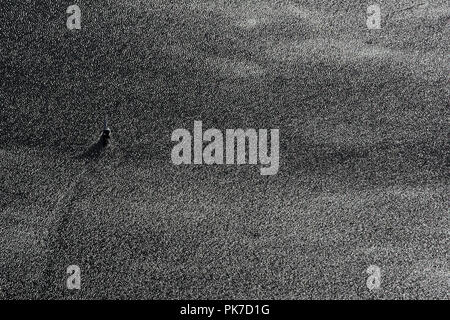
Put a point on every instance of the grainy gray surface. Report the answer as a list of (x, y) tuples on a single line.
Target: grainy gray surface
[(363, 119)]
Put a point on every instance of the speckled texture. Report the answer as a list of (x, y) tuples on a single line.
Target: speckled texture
[(363, 119)]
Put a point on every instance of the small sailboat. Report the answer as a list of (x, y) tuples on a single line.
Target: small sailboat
[(95, 151), (106, 134)]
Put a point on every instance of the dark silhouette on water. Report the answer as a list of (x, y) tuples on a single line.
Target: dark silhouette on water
[(106, 134), (95, 151)]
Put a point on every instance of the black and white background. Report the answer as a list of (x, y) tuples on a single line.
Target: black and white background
[(363, 177)]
